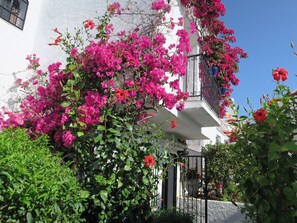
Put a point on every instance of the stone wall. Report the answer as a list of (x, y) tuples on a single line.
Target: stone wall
[(224, 212), (218, 211)]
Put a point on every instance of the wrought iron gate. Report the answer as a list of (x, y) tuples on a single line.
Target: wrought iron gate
[(192, 188)]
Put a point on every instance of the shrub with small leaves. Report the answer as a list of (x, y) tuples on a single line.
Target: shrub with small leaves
[(34, 186), (172, 216)]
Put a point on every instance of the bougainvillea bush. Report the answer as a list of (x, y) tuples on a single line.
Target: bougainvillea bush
[(216, 42), (95, 108), (95, 112), (266, 154)]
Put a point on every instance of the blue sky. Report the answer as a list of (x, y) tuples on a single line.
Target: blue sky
[(264, 29)]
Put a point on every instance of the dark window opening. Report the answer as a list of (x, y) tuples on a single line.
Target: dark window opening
[(218, 139), (14, 12)]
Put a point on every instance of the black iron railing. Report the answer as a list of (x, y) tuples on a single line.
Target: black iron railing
[(199, 82)]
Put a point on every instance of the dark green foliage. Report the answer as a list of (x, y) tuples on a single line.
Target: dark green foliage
[(220, 170), (112, 168), (34, 186), (172, 216), (267, 156)]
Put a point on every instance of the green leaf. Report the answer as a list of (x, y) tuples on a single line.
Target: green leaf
[(125, 192), (289, 146), (127, 167), (273, 151), (70, 83), (104, 195), (79, 134), (114, 131), (145, 181), (120, 183), (101, 128), (84, 194), (73, 125), (29, 217), (243, 117), (262, 180), (71, 67), (290, 194), (65, 104), (294, 186)]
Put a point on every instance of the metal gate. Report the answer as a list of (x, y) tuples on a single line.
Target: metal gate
[(192, 187)]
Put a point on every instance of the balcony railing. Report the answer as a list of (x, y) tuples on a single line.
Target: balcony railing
[(199, 82)]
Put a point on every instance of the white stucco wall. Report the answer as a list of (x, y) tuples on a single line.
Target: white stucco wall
[(15, 45), (66, 14)]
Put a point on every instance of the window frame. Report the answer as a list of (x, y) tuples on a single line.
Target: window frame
[(14, 17)]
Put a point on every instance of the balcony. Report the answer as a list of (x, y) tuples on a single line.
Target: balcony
[(203, 104), (200, 83), (201, 108)]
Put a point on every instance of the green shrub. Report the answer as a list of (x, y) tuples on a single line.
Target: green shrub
[(172, 216), (34, 186), (267, 159), (220, 166)]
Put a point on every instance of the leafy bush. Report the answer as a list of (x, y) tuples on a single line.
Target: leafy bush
[(220, 167), (172, 216), (34, 186), (121, 175), (266, 153)]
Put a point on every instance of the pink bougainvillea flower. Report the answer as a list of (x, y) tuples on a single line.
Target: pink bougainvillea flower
[(260, 115), (18, 82), (149, 161), (68, 139), (280, 74), (173, 124), (89, 24), (114, 8), (193, 27), (73, 52), (158, 5)]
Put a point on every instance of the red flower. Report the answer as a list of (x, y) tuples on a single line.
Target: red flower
[(280, 73), (57, 41), (149, 161), (173, 124), (121, 94), (260, 115), (89, 24), (233, 137), (57, 31), (231, 119)]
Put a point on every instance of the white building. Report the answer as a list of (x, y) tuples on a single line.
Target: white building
[(27, 27)]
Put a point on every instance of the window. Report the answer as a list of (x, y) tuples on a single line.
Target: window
[(14, 11), (218, 139)]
